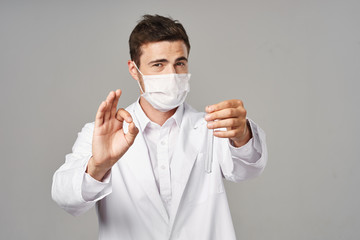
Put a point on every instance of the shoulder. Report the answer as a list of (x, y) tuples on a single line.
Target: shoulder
[(131, 107), (197, 118), (88, 127)]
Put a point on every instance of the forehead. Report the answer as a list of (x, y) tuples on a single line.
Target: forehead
[(163, 50)]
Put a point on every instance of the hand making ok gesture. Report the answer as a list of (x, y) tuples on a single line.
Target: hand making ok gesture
[(110, 142)]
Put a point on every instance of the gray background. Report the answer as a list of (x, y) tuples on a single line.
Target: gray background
[(295, 64)]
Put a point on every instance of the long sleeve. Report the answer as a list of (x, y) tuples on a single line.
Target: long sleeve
[(73, 189), (245, 162)]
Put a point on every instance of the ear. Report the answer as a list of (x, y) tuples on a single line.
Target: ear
[(132, 70)]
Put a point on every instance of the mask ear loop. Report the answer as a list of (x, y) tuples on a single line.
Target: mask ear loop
[(138, 80)]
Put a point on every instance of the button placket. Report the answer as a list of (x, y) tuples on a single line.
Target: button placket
[(163, 163)]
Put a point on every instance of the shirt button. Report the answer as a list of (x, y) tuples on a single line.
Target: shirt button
[(162, 167), (163, 142)]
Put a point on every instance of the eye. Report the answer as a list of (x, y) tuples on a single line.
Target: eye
[(157, 65), (180, 64)]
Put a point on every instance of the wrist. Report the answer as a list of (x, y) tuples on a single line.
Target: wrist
[(95, 171), (246, 138)]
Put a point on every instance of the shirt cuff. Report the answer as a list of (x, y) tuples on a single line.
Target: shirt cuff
[(251, 151), (94, 190)]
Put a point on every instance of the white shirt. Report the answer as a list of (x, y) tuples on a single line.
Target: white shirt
[(160, 141)]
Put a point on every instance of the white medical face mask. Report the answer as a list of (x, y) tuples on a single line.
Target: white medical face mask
[(166, 91)]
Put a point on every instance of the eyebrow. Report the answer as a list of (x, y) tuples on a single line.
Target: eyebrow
[(163, 60), (181, 59), (158, 60)]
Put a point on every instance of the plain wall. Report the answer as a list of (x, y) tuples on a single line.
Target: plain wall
[(295, 64)]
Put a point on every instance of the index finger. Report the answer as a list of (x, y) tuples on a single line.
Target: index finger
[(234, 103), (122, 115)]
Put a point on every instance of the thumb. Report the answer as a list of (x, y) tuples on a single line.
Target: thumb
[(131, 134)]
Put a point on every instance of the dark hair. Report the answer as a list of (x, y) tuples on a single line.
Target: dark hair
[(155, 28)]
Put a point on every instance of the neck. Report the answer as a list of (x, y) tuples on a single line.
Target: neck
[(155, 115)]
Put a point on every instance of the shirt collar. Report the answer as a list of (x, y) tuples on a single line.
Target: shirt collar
[(178, 115), (144, 120)]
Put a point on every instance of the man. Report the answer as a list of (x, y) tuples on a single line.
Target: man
[(155, 169)]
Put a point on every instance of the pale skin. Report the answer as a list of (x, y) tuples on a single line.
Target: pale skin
[(109, 141)]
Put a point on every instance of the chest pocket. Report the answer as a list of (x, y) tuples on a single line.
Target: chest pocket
[(203, 186)]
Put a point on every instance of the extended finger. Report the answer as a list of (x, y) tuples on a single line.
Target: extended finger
[(99, 119), (226, 134), (234, 103), (109, 101), (226, 123), (122, 115), (226, 113), (115, 102)]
